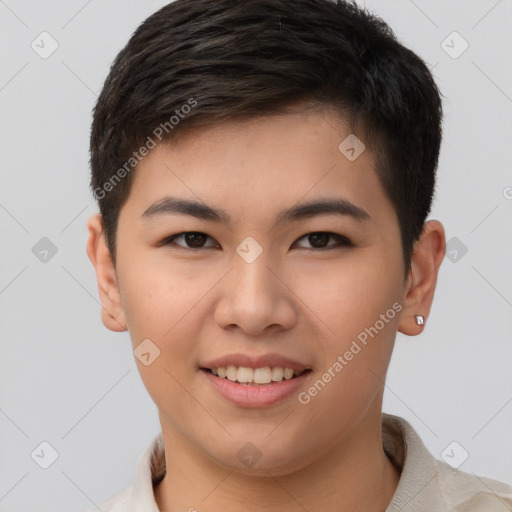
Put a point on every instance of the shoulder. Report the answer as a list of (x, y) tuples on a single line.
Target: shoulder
[(139, 495), (117, 503), (470, 493), (428, 484)]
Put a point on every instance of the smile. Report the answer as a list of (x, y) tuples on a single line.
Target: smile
[(255, 376)]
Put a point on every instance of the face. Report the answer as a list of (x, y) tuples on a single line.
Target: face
[(256, 251)]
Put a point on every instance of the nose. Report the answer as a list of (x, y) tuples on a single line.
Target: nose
[(256, 299)]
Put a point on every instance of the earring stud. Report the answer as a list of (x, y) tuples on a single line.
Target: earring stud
[(420, 320)]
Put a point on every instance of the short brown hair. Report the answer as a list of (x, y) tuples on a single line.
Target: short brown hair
[(199, 62)]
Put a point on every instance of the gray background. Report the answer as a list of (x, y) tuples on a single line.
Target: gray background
[(68, 381)]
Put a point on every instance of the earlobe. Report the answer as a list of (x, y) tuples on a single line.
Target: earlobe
[(427, 257), (112, 313)]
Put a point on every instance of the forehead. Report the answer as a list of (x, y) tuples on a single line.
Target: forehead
[(257, 166)]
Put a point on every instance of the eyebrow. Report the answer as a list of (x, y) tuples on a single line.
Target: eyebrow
[(336, 206)]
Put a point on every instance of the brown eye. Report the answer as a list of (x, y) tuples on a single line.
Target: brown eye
[(320, 240), (191, 239), (195, 239)]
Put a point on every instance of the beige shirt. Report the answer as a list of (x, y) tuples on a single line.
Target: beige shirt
[(426, 484)]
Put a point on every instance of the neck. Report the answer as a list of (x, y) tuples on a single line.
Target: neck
[(354, 475)]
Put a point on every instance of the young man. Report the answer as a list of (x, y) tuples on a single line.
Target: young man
[(264, 171)]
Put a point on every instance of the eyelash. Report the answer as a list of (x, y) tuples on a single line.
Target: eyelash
[(344, 241)]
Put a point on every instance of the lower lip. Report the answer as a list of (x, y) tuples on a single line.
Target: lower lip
[(255, 395)]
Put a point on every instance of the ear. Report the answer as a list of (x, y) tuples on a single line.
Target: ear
[(112, 313), (427, 257)]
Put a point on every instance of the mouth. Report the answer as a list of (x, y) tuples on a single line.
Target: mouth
[(252, 381), (263, 376)]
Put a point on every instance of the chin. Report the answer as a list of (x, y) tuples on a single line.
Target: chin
[(269, 461)]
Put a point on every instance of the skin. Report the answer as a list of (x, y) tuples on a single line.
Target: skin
[(296, 299)]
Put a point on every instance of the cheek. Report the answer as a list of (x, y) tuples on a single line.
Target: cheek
[(168, 304), (163, 307), (350, 295), (362, 315), (156, 298), (358, 307)]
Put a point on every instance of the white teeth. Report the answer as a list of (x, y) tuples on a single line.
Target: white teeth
[(231, 373), (277, 374), (264, 375), (245, 374)]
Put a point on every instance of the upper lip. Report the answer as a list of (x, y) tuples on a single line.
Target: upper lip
[(270, 360)]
